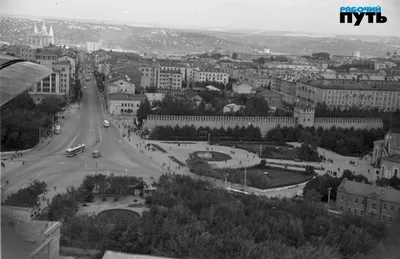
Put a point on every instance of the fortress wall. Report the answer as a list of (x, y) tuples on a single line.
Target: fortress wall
[(357, 123), (264, 123)]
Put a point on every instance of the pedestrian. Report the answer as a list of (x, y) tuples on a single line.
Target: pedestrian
[(55, 188)]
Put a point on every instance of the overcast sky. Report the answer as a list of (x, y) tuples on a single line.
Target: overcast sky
[(320, 16)]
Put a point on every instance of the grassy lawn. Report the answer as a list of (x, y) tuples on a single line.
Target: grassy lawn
[(115, 215), (271, 151), (211, 156), (278, 178)]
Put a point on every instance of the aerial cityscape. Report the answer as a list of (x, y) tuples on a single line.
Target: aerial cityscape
[(155, 138)]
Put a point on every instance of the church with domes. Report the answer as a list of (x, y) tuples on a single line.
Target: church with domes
[(41, 38)]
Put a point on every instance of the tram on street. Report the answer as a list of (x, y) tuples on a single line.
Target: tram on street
[(72, 151)]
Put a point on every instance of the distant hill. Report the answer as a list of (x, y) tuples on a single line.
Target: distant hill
[(145, 38)]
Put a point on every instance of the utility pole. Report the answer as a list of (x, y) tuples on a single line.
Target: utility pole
[(260, 150), (329, 195), (226, 181), (209, 135)]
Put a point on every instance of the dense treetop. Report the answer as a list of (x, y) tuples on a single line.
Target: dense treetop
[(21, 118), (189, 218)]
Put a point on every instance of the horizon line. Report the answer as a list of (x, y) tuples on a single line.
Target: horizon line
[(221, 28)]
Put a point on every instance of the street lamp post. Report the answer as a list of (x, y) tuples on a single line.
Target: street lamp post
[(245, 177), (40, 137)]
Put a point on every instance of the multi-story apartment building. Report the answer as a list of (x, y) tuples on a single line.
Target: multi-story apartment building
[(46, 57), (384, 95), (368, 200), (169, 79), (48, 86), (190, 71), (124, 55), (72, 63), (149, 75), (27, 52), (64, 69), (124, 104), (256, 79), (175, 67), (208, 75), (286, 87)]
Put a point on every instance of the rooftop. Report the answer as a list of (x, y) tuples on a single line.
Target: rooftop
[(168, 64), (19, 239), (351, 85), (212, 70), (46, 52), (117, 255), (363, 189), (18, 77), (126, 97)]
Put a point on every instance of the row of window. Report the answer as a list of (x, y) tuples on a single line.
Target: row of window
[(361, 213), (373, 205), (130, 105)]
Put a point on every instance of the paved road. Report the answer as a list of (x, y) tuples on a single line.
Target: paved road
[(80, 126)]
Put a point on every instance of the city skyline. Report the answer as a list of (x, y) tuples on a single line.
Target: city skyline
[(223, 14)]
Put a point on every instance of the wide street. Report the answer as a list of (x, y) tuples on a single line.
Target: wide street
[(79, 126)]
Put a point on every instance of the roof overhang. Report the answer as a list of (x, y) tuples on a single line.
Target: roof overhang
[(16, 76)]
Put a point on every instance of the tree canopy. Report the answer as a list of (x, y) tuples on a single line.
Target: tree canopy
[(27, 196), (189, 218), (20, 120)]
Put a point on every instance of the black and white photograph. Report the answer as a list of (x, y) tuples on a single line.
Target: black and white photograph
[(213, 129)]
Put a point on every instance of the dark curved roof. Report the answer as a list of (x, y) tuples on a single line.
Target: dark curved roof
[(17, 76)]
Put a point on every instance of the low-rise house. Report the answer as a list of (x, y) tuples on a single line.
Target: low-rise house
[(121, 85), (368, 200), (243, 89)]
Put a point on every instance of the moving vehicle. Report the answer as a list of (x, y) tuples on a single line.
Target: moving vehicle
[(57, 129), (96, 153), (74, 150), (106, 123), (84, 88), (88, 78)]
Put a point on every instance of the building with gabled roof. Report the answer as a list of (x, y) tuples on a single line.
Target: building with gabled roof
[(121, 85), (368, 200), (386, 156)]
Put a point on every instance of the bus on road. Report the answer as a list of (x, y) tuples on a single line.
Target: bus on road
[(74, 150)]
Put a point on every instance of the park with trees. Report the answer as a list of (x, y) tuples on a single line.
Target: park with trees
[(347, 142), (21, 119), (189, 218), (261, 176)]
